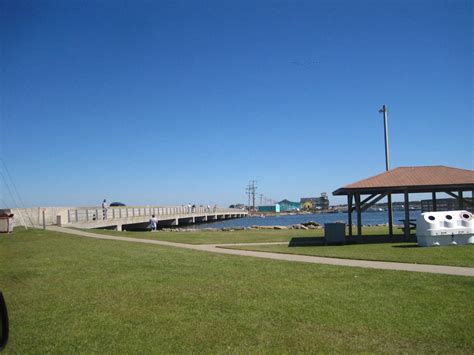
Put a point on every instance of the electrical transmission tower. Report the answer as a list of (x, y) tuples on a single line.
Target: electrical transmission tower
[(247, 192), (251, 193)]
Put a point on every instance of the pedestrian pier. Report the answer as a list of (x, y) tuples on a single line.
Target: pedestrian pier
[(138, 217), (128, 218)]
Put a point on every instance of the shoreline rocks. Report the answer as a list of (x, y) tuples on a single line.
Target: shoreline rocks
[(299, 226)]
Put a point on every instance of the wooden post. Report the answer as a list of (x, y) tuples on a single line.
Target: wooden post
[(433, 201), (407, 215), (359, 215), (44, 221), (349, 213), (390, 214), (460, 200)]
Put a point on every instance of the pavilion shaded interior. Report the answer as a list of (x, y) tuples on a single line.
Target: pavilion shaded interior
[(363, 194)]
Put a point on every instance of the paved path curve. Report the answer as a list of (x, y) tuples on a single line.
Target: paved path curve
[(217, 248)]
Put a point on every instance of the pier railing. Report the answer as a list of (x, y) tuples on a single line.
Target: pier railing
[(99, 214)]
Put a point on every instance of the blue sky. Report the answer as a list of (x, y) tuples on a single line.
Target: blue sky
[(170, 102)]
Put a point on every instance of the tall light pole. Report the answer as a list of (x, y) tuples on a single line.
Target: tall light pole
[(385, 128), (387, 168)]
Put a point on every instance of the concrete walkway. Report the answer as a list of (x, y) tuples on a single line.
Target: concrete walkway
[(218, 248)]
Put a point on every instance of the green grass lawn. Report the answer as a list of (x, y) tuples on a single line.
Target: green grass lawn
[(219, 237), (398, 252), (70, 294)]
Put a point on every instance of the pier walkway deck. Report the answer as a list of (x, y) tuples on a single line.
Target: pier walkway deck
[(138, 217), (127, 217)]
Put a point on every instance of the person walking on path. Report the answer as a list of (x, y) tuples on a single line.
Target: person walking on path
[(153, 223), (105, 207)]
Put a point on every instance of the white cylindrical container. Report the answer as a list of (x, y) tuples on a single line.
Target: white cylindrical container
[(467, 219), (445, 228)]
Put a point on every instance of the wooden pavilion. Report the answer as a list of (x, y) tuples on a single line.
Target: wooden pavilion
[(406, 180)]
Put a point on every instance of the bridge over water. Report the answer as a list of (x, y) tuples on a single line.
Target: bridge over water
[(129, 217)]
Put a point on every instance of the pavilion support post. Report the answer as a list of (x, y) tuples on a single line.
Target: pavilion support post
[(359, 215), (433, 201), (460, 200), (349, 213), (407, 214), (390, 214)]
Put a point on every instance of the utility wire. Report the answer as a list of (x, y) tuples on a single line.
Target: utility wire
[(13, 199), (22, 204)]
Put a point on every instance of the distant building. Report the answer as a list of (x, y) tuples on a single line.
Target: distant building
[(444, 204), (289, 206), (315, 203), (269, 208)]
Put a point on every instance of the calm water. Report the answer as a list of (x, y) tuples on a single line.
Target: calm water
[(368, 218)]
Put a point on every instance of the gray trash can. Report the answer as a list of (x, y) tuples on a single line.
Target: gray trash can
[(335, 233), (6, 223)]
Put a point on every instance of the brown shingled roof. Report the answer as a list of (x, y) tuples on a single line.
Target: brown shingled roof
[(417, 178)]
